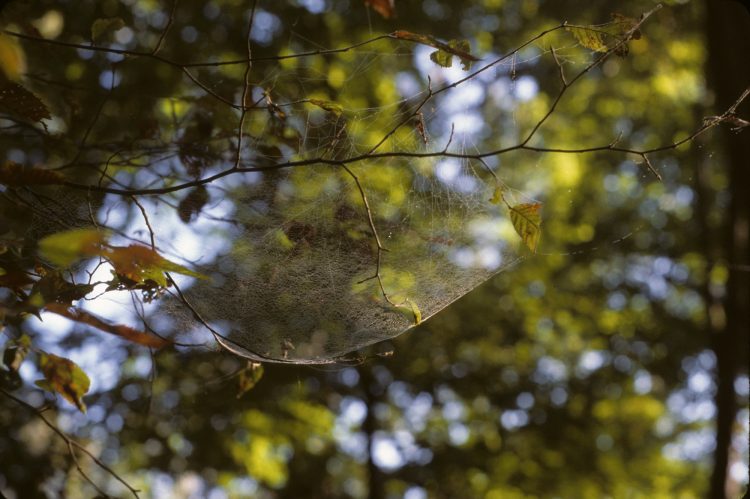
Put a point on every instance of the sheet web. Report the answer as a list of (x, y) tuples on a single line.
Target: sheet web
[(305, 264)]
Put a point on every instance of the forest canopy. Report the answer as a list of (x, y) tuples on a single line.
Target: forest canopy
[(201, 200)]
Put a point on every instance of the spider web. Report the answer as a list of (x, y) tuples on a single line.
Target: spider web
[(291, 259)]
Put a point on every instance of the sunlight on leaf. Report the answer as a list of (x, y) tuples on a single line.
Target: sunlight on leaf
[(527, 221), (444, 55), (140, 263), (63, 376), (65, 248), (445, 51)]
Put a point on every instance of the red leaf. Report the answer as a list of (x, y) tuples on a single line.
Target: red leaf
[(385, 8)]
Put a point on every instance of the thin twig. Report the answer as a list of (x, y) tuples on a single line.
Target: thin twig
[(71, 443)]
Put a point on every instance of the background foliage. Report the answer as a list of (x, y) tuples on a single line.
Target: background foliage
[(586, 369)]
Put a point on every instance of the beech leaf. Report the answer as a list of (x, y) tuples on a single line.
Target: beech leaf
[(527, 220), (63, 376)]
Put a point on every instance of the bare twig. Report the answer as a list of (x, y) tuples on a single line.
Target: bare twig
[(72, 445)]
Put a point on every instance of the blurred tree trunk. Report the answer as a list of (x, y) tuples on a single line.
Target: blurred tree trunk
[(370, 426), (728, 33)]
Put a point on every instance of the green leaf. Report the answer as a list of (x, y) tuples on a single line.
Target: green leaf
[(444, 55), (527, 220), (63, 376), (105, 25), (329, 106), (65, 248), (249, 377)]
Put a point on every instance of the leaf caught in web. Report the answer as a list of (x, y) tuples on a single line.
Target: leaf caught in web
[(249, 377), (385, 8), (12, 58), (445, 51), (589, 37), (611, 36), (527, 221), (408, 307), (444, 55), (105, 25), (329, 106), (63, 376), (17, 100), (192, 204), (65, 248)]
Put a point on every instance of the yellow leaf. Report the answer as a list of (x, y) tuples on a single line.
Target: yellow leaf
[(12, 58), (63, 376), (589, 37), (527, 220), (249, 377), (497, 195), (64, 248)]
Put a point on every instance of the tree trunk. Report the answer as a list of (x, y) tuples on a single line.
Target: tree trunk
[(728, 30)]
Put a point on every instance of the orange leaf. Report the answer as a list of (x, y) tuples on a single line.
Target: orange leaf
[(140, 263), (120, 330), (63, 376), (385, 8)]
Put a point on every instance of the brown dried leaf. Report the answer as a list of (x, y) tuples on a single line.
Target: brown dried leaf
[(16, 99), (14, 174)]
